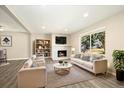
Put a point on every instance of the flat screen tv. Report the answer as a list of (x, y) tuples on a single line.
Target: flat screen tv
[(60, 40)]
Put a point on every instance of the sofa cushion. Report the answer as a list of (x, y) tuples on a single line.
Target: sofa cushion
[(77, 56), (28, 63), (96, 57), (84, 63), (88, 64), (86, 58), (77, 60)]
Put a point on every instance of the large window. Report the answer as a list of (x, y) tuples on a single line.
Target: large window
[(94, 43), (85, 43)]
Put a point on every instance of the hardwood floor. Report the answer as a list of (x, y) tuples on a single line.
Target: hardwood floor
[(8, 78), (99, 82), (8, 74)]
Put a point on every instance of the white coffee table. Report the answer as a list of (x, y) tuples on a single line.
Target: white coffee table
[(62, 69)]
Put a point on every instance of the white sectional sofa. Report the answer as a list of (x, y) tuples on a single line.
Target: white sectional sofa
[(95, 66)]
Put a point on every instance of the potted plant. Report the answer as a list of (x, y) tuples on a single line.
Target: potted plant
[(60, 62), (118, 60)]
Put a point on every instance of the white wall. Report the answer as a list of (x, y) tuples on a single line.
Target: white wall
[(20, 45), (20, 37), (114, 27), (41, 36)]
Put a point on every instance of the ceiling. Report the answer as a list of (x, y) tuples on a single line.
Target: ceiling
[(8, 22), (64, 19)]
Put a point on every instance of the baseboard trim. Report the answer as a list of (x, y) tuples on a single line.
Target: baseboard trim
[(17, 59), (113, 73)]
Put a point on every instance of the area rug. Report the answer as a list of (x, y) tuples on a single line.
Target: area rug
[(76, 75)]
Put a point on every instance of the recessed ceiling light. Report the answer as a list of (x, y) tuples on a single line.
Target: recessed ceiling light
[(66, 29), (43, 27), (85, 15)]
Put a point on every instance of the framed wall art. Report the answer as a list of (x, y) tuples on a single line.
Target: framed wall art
[(6, 41)]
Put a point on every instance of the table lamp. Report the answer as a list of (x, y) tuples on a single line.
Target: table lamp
[(73, 50)]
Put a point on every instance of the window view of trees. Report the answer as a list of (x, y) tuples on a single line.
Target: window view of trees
[(85, 43), (97, 43)]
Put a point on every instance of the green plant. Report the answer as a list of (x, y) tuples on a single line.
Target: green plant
[(60, 62), (118, 59), (65, 62)]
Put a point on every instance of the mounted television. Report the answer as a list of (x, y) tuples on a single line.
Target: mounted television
[(60, 40)]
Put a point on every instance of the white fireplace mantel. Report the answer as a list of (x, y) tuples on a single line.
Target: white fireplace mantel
[(57, 47), (62, 45)]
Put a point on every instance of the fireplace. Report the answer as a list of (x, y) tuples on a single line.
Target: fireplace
[(62, 53)]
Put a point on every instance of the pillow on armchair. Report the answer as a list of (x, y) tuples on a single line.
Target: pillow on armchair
[(28, 63), (34, 65), (37, 64)]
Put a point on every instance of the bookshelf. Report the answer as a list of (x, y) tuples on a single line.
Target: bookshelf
[(42, 48)]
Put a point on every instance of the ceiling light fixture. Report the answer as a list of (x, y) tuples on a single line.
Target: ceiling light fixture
[(86, 15), (43, 27)]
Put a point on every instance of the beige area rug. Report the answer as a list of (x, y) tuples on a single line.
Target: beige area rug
[(76, 75)]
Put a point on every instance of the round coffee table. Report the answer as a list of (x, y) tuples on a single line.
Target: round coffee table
[(62, 69)]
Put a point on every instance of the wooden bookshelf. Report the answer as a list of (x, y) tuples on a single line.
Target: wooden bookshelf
[(42, 47)]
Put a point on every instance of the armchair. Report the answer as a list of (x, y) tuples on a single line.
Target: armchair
[(32, 77)]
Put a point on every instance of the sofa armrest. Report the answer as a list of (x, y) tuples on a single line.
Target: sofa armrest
[(32, 77), (100, 66), (31, 69)]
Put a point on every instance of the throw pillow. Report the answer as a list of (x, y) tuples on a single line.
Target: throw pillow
[(96, 57), (28, 63), (77, 56), (34, 65), (86, 58), (25, 65)]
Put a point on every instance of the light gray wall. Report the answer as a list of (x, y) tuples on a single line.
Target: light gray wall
[(20, 45)]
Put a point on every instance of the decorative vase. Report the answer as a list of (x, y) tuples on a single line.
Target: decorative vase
[(66, 63)]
